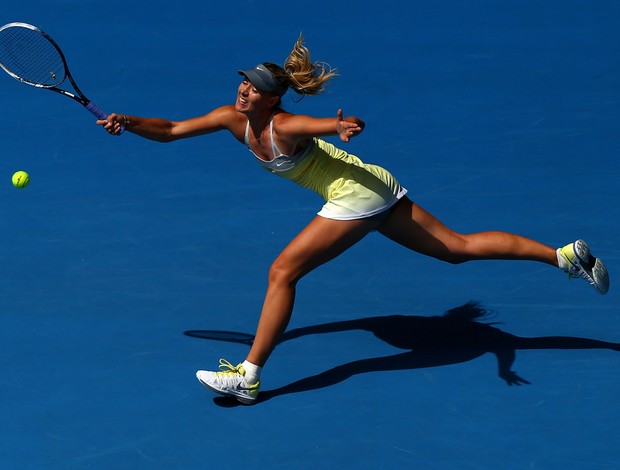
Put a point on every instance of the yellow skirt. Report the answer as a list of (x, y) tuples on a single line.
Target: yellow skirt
[(351, 188)]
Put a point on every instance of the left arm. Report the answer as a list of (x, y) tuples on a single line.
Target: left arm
[(296, 127)]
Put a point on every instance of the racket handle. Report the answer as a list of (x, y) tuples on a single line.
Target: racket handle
[(97, 111)]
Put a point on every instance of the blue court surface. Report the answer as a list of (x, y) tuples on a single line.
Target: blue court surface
[(128, 264)]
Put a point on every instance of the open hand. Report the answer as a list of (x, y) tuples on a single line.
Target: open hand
[(349, 127)]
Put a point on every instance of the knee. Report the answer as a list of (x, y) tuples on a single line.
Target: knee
[(282, 272), (457, 252)]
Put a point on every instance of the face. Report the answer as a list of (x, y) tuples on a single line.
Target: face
[(250, 100)]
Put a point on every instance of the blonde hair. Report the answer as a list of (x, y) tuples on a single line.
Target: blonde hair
[(301, 74)]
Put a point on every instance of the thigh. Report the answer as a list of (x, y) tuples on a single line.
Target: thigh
[(411, 226), (320, 241)]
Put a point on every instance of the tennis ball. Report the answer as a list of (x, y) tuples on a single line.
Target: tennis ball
[(21, 179)]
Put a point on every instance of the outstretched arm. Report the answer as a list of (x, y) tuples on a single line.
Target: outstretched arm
[(295, 127), (164, 130)]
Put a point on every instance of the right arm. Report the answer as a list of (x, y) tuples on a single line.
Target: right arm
[(164, 130)]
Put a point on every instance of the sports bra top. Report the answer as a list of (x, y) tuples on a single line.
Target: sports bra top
[(281, 162)]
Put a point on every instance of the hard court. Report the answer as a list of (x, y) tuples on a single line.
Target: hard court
[(129, 264)]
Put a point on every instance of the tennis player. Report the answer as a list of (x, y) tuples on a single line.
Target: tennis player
[(360, 198)]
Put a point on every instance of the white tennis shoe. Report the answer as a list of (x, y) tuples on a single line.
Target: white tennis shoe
[(230, 381), (581, 263)]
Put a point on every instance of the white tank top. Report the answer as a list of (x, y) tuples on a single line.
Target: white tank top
[(280, 162)]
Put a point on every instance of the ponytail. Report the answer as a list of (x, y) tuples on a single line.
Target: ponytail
[(300, 73)]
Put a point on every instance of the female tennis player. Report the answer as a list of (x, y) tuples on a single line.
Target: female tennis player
[(360, 198)]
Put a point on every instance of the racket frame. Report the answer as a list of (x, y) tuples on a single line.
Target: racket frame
[(77, 96)]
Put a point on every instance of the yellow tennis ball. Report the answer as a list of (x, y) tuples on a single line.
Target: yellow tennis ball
[(21, 179)]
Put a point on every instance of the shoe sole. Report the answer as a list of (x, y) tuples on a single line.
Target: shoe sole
[(593, 267), (244, 399), (228, 392), (601, 277)]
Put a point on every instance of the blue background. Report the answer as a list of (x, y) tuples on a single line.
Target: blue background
[(494, 114)]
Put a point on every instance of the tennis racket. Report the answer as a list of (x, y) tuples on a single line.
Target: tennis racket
[(31, 56)]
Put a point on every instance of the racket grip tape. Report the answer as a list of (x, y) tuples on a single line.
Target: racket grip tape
[(97, 111)]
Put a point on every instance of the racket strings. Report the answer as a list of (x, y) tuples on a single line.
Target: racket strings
[(30, 56)]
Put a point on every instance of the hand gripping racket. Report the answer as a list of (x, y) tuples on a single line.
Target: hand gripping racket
[(31, 56)]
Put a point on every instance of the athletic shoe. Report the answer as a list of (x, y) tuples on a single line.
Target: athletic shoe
[(581, 263), (230, 381)]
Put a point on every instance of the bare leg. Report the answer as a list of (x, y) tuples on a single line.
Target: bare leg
[(411, 226), (408, 224), (322, 240)]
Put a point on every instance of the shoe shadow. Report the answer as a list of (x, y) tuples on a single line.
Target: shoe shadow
[(459, 335)]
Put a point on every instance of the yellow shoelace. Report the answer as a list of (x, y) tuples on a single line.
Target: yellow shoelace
[(226, 368)]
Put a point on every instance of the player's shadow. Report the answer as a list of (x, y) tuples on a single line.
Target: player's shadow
[(457, 336)]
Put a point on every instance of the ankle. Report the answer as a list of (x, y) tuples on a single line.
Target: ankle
[(252, 372), (562, 262)]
